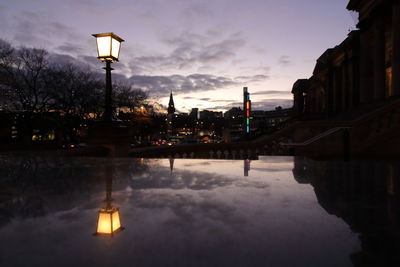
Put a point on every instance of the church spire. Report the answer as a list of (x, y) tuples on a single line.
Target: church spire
[(171, 106)]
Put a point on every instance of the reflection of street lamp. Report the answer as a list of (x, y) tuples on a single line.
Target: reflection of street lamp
[(108, 47), (246, 167), (108, 221)]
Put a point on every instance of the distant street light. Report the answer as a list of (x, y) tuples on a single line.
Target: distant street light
[(108, 47)]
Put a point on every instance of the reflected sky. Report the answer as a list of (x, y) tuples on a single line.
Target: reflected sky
[(200, 213)]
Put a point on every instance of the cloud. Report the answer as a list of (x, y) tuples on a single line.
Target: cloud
[(61, 59), (69, 47), (272, 92), (209, 99), (253, 78), (181, 84), (155, 85), (259, 50), (220, 51), (3, 17), (93, 61), (189, 51), (35, 30), (265, 104), (197, 11), (271, 104), (284, 60)]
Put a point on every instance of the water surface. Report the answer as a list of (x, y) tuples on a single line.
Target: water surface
[(276, 211)]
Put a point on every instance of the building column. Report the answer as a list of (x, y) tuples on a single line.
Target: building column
[(396, 47), (366, 83), (338, 89), (329, 91), (379, 58), (345, 87), (350, 82), (334, 86), (299, 102), (341, 88), (355, 71)]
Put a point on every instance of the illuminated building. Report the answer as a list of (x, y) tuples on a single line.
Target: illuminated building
[(246, 111)]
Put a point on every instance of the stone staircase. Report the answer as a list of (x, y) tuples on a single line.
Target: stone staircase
[(372, 134)]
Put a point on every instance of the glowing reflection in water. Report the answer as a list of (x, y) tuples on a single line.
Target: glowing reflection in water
[(108, 221)]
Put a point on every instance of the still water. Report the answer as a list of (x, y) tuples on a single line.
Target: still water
[(275, 211)]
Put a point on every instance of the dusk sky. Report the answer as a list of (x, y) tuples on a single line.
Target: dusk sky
[(204, 51)]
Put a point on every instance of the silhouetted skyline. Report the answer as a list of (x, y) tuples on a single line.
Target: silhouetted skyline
[(205, 52)]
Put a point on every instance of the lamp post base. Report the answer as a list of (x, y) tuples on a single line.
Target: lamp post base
[(113, 135)]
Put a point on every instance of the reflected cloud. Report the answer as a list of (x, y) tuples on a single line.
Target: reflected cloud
[(160, 178), (191, 213)]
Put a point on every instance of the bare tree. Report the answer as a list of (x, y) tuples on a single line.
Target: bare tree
[(73, 91), (127, 98), (23, 71), (29, 84)]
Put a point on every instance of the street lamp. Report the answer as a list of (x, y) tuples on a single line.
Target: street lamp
[(108, 47)]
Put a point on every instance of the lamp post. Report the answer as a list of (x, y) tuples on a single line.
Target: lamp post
[(108, 48)]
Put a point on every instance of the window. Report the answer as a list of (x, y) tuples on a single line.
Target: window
[(388, 82)]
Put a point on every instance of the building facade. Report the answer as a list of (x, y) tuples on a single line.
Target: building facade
[(363, 69), (379, 24)]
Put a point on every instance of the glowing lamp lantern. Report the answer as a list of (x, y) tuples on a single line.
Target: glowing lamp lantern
[(109, 221), (108, 46)]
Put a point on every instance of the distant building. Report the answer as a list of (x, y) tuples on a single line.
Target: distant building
[(194, 114), (234, 129), (171, 105), (233, 113), (170, 115), (277, 117), (207, 114)]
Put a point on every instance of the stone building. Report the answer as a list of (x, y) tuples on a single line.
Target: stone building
[(363, 69), (379, 24)]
